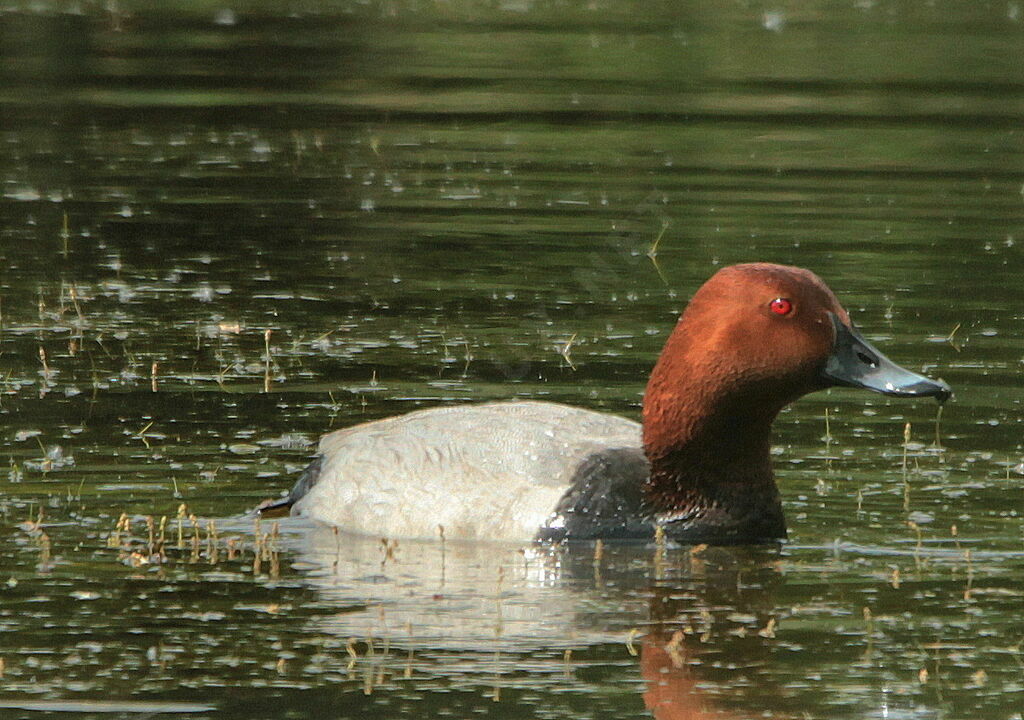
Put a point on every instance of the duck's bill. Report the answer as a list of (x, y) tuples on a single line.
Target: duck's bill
[(856, 363)]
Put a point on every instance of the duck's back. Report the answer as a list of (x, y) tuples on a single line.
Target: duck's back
[(492, 471)]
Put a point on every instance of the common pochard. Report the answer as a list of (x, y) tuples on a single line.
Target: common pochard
[(753, 339)]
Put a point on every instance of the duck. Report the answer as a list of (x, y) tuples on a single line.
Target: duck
[(697, 469)]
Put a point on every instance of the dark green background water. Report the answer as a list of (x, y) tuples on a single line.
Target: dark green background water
[(424, 202)]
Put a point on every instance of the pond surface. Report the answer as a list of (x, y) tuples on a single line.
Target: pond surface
[(226, 228)]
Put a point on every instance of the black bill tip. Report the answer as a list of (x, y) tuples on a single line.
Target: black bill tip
[(855, 362)]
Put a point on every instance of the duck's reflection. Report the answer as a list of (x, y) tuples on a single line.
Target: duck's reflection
[(697, 620), (711, 617)]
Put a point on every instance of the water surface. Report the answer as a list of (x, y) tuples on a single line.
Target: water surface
[(431, 203)]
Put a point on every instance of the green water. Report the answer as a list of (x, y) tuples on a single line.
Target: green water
[(427, 203)]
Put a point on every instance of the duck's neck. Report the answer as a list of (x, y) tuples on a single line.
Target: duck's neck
[(710, 459)]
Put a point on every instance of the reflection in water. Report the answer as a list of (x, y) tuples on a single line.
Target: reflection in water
[(378, 625), (725, 620), (459, 595), (694, 614), (672, 687)]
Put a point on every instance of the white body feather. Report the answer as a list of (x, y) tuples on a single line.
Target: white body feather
[(493, 471)]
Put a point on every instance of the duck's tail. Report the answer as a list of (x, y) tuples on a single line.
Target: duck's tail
[(274, 508), (283, 506)]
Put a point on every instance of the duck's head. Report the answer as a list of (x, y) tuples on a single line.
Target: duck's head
[(753, 339), (764, 335)]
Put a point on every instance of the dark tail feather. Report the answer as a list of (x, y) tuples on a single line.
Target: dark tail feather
[(283, 506), (275, 508)]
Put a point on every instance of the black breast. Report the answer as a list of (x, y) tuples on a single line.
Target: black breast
[(604, 500)]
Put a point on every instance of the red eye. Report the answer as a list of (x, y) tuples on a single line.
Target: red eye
[(781, 306)]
